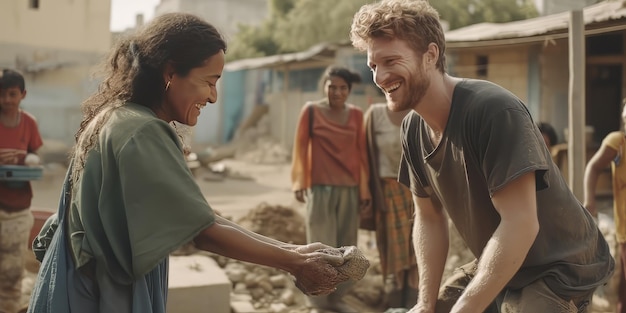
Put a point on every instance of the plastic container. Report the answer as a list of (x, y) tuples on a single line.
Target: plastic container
[(20, 173)]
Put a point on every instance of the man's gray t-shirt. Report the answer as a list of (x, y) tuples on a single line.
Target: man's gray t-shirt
[(490, 139)]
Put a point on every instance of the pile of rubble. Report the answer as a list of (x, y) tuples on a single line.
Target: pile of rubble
[(278, 222), (269, 290), (257, 288), (252, 144), (264, 150)]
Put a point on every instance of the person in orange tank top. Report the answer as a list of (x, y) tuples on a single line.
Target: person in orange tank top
[(330, 171)]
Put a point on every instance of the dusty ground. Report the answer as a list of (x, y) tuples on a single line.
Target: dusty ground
[(232, 196)]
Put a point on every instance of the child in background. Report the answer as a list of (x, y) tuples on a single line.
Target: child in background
[(19, 142)]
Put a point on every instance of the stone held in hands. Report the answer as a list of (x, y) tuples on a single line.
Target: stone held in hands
[(355, 264)]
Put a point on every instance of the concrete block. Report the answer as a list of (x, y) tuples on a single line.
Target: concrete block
[(197, 284)]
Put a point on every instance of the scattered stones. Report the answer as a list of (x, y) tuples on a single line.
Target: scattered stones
[(242, 307)]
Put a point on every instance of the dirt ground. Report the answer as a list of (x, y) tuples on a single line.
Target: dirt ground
[(231, 196)]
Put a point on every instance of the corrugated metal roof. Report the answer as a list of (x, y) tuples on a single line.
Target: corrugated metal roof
[(601, 12)]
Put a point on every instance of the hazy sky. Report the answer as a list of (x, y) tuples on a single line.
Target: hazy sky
[(123, 12)]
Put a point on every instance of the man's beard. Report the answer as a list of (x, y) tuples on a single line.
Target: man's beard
[(415, 91)]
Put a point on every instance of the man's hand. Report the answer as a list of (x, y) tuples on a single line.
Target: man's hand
[(419, 308)]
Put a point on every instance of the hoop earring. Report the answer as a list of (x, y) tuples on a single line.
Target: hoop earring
[(167, 86)]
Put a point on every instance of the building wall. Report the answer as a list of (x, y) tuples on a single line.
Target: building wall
[(225, 15), (55, 47), (54, 98), (57, 24), (555, 80), (507, 67), (538, 75)]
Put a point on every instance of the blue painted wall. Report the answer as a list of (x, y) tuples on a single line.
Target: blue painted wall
[(233, 102)]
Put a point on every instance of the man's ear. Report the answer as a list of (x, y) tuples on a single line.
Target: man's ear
[(23, 94), (431, 56)]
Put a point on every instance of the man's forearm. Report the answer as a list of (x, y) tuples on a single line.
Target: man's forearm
[(430, 240), (501, 259)]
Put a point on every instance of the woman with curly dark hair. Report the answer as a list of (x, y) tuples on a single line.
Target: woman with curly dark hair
[(129, 197)]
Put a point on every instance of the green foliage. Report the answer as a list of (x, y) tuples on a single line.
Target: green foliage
[(280, 8), (314, 21), (258, 41), (252, 42), (459, 13), (296, 25)]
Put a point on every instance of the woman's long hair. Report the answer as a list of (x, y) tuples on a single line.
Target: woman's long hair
[(133, 72)]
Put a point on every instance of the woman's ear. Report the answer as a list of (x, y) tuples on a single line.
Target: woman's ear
[(168, 72)]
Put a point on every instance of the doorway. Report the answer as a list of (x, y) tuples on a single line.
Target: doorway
[(603, 99)]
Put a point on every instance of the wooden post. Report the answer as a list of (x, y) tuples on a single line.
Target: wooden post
[(576, 143)]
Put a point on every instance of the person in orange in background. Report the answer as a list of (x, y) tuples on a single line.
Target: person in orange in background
[(611, 152), (392, 206), (329, 170), (19, 142)]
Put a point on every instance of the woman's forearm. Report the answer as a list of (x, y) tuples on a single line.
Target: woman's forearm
[(259, 237)]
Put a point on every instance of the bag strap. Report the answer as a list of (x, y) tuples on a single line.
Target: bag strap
[(44, 238)]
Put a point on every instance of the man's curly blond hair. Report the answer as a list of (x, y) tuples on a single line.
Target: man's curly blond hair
[(413, 21)]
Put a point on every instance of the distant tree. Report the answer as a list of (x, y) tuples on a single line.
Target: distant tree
[(460, 13), (313, 21), (295, 25), (280, 7), (257, 41), (252, 42)]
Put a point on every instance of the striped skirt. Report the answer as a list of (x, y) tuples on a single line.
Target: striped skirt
[(393, 239)]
